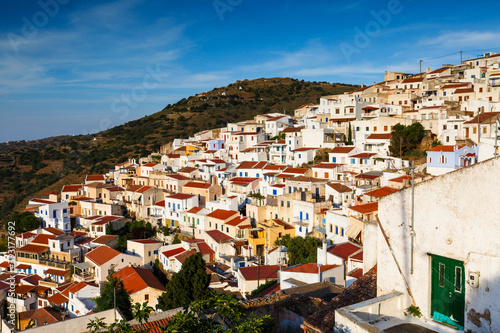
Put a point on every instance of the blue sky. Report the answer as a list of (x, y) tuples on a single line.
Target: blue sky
[(74, 67)]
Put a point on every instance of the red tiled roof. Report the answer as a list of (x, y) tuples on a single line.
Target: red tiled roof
[(178, 177), (243, 180), (366, 208), (104, 239), (194, 210), (454, 86), (340, 187), (42, 239), (309, 268), (43, 201), (136, 279), (174, 252), (304, 149), (413, 80), (325, 165), (101, 220), (205, 249), (342, 150), (344, 250), (187, 169), (54, 231), (27, 235), (180, 196), (381, 192), (94, 178), (484, 117), (57, 272), (57, 299), (102, 254), (218, 236), (237, 220), (197, 185), (114, 188), (184, 255), (150, 165), (71, 188), (296, 171), (379, 136), (464, 91), (5, 264), (365, 176), (356, 273), (403, 178), (23, 266), (32, 248), (445, 148), (146, 241), (222, 214), (264, 272), (364, 155)]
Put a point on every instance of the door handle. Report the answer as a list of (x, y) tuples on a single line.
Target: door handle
[(450, 294)]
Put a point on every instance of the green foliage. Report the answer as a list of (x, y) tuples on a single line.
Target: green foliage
[(321, 156), (96, 325), (262, 287), (349, 136), (113, 287), (407, 138), (436, 142), (25, 221), (281, 136), (226, 308), (159, 273), (414, 311), (3, 243), (166, 231), (300, 250), (141, 312), (188, 285), (176, 239)]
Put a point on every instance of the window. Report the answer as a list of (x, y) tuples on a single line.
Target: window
[(474, 130), (334, 159), (282, 203), (288, 204), (336, 230), (149, 253), (441, 275), (458, 279), (146, 297), (357, 128), (342, 232), (353, 161), (331, 228), (368, 129), (484, 130), (374, 128), (385, 128)]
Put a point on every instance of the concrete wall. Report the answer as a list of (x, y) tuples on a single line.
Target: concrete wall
[(75, 325), (456, 217)]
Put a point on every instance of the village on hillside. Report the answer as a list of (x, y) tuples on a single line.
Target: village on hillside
[(396, 182)]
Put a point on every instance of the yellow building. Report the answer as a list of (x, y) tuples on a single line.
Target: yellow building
[(266, 233)]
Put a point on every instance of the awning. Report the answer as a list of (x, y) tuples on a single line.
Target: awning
[(83, 265), (353, 231)]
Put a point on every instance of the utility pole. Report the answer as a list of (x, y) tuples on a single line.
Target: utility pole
[(460, 57), (420, 67), (412, 230), (114, 301)]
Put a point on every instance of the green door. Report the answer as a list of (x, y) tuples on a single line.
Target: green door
[(448, 291)]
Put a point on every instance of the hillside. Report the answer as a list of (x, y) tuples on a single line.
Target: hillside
[(29, 168)]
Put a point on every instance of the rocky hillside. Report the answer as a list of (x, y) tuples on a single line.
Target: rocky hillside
[(29, 168)]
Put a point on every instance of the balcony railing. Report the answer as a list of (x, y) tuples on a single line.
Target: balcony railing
[(84, 277), (55, 263), (300, 221)]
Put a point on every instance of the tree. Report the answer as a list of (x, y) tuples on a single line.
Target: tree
[(436, 142), (159, 273), (229, 316), (188, 285), (406, 138), (300, 250), (142, 311), (349, 136), (114, 290), (25, 221)]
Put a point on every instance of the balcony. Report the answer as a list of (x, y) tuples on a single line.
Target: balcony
[(84, 277), (301, 221), (55, 263), (320, 228)]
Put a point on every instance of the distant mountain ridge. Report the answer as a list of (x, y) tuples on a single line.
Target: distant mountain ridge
[(30, 168)]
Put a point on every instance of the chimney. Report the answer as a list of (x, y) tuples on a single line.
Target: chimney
[(319, 273), (428, 70), (362, 85)]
